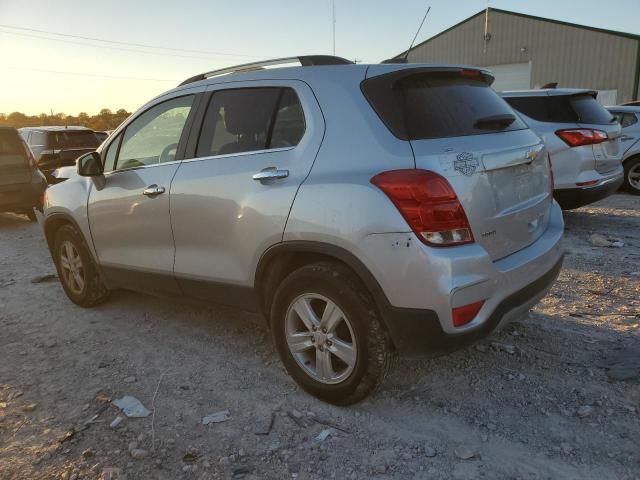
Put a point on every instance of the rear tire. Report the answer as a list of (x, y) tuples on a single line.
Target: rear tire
[(632, 175), (77, 271), (347, 354), (30, 215)]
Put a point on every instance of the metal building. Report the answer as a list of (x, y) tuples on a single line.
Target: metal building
[(524, 51)]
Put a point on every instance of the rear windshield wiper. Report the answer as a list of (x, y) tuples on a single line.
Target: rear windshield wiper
[(495, 122)]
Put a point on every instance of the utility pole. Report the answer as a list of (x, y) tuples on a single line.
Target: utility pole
[(333, 10)]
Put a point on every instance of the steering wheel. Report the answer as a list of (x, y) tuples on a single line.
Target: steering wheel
[(164, 156)]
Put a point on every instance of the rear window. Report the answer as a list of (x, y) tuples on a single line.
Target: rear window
[(581, 108), (78, 139), (12, 151), (440, 104)]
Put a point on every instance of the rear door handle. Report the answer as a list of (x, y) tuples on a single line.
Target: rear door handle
[(270, 173), (153, 190)]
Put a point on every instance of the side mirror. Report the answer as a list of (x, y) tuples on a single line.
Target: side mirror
[(90, 165)]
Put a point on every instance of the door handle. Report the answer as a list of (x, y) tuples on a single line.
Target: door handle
[(153, 190), (270, 173)]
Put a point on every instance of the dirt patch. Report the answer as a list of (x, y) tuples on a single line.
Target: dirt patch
[(555, 395)]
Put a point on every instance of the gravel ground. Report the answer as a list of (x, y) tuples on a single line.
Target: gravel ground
[(555, 395)]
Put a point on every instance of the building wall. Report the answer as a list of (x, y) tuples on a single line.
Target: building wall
[(571, 56)]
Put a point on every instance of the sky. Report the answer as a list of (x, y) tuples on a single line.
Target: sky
[(42, 72)]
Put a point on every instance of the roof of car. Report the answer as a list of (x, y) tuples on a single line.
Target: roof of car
[(58, 128), (310, 72), (542, 92), (624, 108)]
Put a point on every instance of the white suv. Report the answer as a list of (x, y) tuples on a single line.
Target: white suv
[(582, 138), (363, 209)]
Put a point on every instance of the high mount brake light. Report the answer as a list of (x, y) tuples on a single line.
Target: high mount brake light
[(470, 73), (428, 204), (578, 137)]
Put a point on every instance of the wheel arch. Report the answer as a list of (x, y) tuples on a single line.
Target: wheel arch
[(280, 260), (53, 223)]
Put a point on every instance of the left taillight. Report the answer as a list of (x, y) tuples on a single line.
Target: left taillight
[(577, 137), (429, 205)]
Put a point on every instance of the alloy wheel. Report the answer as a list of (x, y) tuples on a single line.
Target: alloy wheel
[(72, 268), (633, 175), (321, 338)]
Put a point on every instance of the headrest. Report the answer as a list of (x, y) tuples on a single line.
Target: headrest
[(247, 112)]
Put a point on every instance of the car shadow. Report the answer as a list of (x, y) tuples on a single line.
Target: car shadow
[(12, 220)]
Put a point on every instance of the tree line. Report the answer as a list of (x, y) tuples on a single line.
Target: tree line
[(105, 120)]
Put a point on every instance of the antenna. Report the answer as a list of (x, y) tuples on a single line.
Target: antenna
[(416, 35)]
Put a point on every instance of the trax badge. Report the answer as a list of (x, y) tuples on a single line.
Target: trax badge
[(465, 163)]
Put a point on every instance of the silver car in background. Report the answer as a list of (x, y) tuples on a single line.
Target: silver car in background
[(365, 210), (582, 138), (629, 118)]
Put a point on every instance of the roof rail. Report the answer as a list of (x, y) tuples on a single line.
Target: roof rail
[(304, 61)]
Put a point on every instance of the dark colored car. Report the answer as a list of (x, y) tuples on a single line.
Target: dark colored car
[(102, 136), (22, 185), (56, 147)]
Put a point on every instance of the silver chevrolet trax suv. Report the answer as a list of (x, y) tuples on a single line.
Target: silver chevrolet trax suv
[(365, 210)]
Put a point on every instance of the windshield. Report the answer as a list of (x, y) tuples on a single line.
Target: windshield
[(73, 139)]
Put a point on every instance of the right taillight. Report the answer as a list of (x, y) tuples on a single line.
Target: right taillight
[(428, 204), (577, 137)]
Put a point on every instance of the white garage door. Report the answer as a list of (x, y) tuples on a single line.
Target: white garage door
[(511, 76)]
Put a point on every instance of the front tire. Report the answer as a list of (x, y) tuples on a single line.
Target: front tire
[(329, 335), (77, 271), (632, 175)]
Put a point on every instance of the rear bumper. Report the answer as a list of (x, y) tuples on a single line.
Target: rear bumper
[(570, 198), (416, 331), (421, 285), (19, 201)]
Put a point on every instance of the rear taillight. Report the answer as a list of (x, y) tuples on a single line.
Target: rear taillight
[(428, 204), (463, 315), (550, 171), (582, 136)]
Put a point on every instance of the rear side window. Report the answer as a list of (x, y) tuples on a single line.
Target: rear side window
[(581, 108), (73, 139), (12, 150), (438, 105), (250, 119), (625, 119)]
